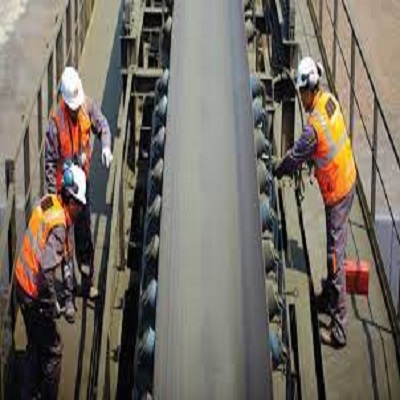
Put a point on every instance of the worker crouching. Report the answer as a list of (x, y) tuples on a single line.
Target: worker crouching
[(325, 142), (68, 137), (45, 247)]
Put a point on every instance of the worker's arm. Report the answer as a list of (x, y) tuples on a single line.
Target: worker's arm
[(52, 257), (302, 151), (51, 157), (99, 123)]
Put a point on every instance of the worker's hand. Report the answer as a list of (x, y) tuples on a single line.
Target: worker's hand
[(106, 157)]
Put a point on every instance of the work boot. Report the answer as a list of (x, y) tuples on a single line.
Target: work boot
[(333, 335), (326, 299), (69, 311), (322, 302)]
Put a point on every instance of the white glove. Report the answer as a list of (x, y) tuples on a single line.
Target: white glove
[(106, 157)]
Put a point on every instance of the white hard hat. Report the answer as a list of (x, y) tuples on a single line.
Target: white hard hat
[(74, 182), (308, 73), (71, 88)]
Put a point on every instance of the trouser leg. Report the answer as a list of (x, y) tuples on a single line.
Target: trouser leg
[(83, 243), (31, 373), (51, 355), (336, 229), (43, 366), (68, 279)]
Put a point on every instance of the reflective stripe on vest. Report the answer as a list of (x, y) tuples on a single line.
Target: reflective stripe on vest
[(35, 242), (334, 162), (27, 270), (334, 148), (42, 221)]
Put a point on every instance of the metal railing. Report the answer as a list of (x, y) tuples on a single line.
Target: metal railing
[(118, 251), (64, 48), (377, 156)]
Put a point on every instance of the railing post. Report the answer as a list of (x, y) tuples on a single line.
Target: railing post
[(335, 23), (374, 160), (121, 221), (75, 32), (27, 175), (50, 83), (59, 53), (40, 142), (68, 34), (352, 83), (321, 13), (12, 230)]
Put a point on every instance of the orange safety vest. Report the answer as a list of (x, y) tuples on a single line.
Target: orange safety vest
[(334, 162), (73, 139), (45, 216)]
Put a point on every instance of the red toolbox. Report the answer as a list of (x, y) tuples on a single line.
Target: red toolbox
[(357, 276)]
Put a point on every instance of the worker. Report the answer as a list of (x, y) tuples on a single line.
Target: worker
[(69, 138), (325, 143), (45, 246)]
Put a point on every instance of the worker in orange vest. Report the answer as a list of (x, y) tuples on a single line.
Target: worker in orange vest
[(45, 247), (69, 138), (325, 142)]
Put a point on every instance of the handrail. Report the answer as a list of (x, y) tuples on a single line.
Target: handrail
[(378, 108), (368, 212), (378, 104)]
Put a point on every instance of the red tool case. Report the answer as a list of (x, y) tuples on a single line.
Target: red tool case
[(357, 276)]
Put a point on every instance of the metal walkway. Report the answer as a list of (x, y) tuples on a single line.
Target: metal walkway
[(99, 69), (367, 367)]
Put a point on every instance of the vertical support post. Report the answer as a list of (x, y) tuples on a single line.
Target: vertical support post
[(68, 34), (50, 83), (40, 141), (59, 53), (9, 316), (76, 33), (27, 175), (288, 124), (374, 160), (87, 15), (321, 13), (134, 117), (352, 84), (12, 230), (335, 31), (121, 221)]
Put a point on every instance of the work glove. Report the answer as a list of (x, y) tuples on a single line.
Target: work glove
[(106, 157)]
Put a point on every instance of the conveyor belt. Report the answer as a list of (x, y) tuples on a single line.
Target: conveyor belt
[(212, 339)]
